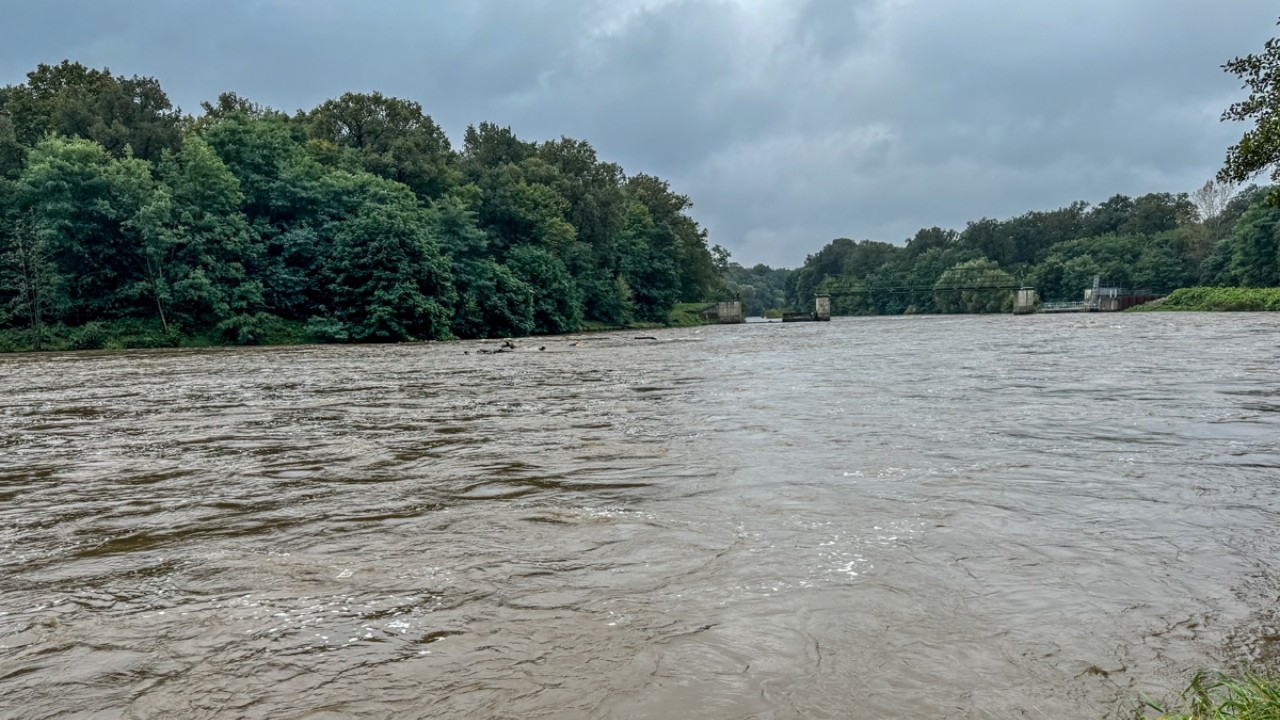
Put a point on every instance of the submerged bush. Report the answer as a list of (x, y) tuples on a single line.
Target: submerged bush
[(90, 336), (259, 329)]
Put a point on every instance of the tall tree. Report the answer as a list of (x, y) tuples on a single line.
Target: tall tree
[(116, 112), (517, 212), (388, 280), (648, 255), (82, 202), (1255, 247), (393, 138), (196, 242), (1155, 213), (557, 302), (489, 146), (28, 272), (973, 278), (288, 198), (1259, 148), (12, 152)]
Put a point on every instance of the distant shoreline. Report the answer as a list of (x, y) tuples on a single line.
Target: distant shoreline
[(1216, 299)]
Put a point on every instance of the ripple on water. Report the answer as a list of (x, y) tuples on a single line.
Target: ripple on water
[(773, 521)]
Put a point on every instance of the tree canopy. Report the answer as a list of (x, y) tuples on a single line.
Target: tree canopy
[(356, 220), (1157, 242), (1259, 148)]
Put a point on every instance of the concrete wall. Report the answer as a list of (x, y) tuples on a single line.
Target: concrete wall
[(730, 312), (1024, 301), (822, 308)]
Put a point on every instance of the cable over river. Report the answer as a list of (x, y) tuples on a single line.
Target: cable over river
[(982, 517)]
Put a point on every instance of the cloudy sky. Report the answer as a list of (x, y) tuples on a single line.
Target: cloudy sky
[(788, 122)]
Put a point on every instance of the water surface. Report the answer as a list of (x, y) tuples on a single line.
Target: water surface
[(899, 517)]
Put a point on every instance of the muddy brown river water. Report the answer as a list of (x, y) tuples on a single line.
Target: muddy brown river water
[(981, 517)]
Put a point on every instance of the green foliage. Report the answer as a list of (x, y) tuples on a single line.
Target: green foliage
[(647, 265), (116, 335), (760, 288), (1157, 243), (196, 242), (259, 329), (126, 116), (390, 137), (691, 314), (493, 301), (354, 222), (1259, 148), (557, 301), (388, 280), (1218, 299), (974, 277), (77, 203), (12, 153), (1255, 248), (1246, 696), (90, 336)]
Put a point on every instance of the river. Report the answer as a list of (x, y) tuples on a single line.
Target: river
[(912, 517)]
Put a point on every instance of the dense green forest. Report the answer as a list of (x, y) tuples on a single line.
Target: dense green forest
[(1159, 242), (120, 216)]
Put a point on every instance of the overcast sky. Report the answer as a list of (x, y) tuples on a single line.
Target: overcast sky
[(788, 122)]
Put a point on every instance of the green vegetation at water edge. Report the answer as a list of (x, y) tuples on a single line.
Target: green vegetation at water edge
[(1242, 697), (1158, 242), (135, 333), (691, 314), (126, 223), (1219, 299)]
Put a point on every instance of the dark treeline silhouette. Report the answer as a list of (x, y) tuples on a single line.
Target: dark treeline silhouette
[(354, 221)]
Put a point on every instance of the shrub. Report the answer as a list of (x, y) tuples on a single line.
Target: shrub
[(1223, 299)]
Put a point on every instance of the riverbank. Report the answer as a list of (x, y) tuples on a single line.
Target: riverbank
[(1216, 299), (1243, 696), (262, 330)]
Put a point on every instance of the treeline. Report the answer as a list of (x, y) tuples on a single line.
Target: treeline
[(354, 221), (761, 289), (1159, 242)]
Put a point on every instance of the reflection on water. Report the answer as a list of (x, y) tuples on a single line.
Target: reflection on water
[(910, 517)]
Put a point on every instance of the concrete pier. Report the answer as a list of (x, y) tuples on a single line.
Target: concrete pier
[(821, 312), (822, 308), (729, 313), (1024, 301)]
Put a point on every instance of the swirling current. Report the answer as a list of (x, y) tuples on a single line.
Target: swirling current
[(981, 517)]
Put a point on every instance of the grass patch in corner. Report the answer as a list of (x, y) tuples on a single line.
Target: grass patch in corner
[(1247, 696)]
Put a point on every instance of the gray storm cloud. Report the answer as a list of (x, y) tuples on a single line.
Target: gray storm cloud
[(789, 122)]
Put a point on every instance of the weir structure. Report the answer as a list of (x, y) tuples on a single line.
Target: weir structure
[(729, 313), (982, 280), (821, 312)]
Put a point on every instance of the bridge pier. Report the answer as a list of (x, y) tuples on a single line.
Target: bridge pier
[(822, 307), (1024, 301), (729, 313)]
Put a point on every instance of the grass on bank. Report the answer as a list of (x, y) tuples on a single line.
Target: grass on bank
[(1222, 299), (1244, 697), (688, 314)]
